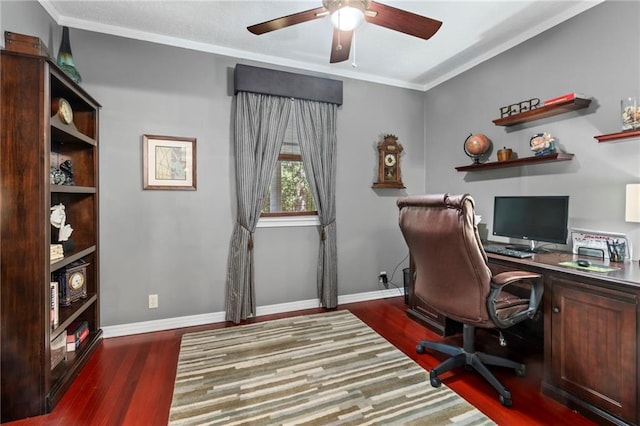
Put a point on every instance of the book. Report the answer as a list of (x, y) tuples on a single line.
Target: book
[(72, 344), (56, 252), (73, 341), (54, 304), (76, 328), (563, 98)]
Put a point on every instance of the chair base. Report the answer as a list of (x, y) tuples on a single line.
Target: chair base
[(468, 357)]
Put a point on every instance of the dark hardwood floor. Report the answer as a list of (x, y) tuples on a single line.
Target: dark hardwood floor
[(129, 380)]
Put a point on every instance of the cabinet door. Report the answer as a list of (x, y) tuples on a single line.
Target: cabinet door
[(594, 353)]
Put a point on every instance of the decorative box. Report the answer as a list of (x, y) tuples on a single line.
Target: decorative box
[(21, 43)]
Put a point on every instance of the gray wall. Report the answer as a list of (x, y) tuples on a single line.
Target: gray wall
[(174, 244), (596, 53), (28, 17)]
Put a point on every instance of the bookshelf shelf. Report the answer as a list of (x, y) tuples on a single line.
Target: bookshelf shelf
[(543, 112)]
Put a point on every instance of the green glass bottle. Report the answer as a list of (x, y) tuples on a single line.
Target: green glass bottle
[(65, 58)]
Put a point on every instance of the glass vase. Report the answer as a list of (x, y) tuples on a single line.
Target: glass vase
[(630, 113)]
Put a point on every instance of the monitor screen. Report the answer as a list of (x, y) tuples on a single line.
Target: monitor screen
[(535, 218)]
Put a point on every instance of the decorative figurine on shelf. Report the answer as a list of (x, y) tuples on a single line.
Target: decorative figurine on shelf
[(67, 169), (62, 175), (542, 144), (65, 58), (58, 218), (476, 146), (56, 177)]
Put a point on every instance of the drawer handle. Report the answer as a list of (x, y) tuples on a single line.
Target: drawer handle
[(556, 310)]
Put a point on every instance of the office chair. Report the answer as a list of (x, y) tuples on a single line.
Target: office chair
[(453, 277)]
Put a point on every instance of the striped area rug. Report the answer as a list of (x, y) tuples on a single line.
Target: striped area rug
[(319, 369)]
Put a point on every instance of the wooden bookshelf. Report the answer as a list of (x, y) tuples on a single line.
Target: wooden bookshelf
[(33, 142)]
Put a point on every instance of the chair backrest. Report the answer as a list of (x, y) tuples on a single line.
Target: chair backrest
[(452, 274)]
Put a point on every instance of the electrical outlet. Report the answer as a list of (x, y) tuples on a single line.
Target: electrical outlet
[(153, 301), (383, 279)]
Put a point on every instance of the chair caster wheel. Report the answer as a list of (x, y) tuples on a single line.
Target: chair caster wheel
[(420, 349), (505, 399), (433, 378), (520, 372)]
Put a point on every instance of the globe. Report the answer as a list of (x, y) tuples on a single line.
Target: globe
[(475, 146)]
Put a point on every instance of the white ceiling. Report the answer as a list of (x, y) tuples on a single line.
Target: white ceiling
[(472, 32)]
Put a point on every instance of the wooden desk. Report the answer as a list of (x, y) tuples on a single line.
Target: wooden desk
[(591, 334)]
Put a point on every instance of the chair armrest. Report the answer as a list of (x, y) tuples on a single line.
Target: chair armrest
[(504, 279)]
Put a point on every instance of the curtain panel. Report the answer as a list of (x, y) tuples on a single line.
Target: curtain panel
[(260, 124), (316, 125)]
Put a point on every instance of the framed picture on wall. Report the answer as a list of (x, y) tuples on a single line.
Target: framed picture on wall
[(169, 162)]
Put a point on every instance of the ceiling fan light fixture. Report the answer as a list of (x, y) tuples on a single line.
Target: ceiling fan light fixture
[(348, 18)]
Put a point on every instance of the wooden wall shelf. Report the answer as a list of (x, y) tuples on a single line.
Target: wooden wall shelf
[(543, 112), (619, 135), (556, 156)]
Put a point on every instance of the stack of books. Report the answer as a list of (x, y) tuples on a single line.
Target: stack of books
[(77, 332), (56, 252)]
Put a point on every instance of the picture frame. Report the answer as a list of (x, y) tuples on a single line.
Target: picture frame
[(169, 162)]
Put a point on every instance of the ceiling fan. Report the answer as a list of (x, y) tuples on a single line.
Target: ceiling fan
[(347, 15)]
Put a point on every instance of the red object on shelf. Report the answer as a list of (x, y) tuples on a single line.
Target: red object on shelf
[(565, 97)]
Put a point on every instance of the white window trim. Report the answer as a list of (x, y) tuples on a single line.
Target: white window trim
[(288, 221)]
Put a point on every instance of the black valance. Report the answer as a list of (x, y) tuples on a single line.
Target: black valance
[(287, 84)]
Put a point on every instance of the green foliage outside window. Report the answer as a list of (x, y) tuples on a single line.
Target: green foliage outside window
[(293, 186)]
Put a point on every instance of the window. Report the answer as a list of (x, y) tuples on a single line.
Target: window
[(289, 193)]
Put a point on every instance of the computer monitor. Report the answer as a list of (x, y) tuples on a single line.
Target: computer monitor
[(532, 218)]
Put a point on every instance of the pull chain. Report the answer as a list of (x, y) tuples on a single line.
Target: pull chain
[(353, 64), (339, 46)]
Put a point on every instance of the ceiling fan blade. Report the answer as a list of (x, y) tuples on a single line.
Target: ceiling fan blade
[(340, 46), (287, 21), (402, 21)]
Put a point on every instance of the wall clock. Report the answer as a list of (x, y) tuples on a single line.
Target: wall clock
[(72, 282), (389, 174)]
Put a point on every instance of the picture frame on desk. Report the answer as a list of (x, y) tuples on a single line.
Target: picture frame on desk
[(169, 162)]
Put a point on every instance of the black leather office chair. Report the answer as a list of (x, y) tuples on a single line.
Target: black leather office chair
[(453, 277)]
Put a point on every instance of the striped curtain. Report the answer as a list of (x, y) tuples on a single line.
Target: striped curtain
[(316, 124), (260, 124)]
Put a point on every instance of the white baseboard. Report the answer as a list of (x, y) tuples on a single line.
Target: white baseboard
[(202, 319)]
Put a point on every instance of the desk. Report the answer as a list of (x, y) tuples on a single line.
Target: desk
[(591, 333)]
